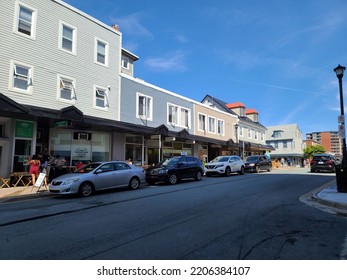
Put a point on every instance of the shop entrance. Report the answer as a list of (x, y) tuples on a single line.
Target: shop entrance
[(21, 155)]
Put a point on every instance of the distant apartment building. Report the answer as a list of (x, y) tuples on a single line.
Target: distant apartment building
[(330, 140)]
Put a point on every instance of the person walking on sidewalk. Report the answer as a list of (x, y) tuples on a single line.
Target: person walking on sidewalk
[(34, 163)]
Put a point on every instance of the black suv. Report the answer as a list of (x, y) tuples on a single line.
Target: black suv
[(257, 163), (174, 169), (323, 162)]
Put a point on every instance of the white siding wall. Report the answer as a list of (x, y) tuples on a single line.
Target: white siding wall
[(48, 60)]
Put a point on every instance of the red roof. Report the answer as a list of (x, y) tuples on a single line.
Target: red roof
[(235, 105), (251, 111)]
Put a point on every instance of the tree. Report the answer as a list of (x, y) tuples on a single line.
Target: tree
[(311, 150)]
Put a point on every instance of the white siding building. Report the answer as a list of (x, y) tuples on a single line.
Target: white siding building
[(288, 143)]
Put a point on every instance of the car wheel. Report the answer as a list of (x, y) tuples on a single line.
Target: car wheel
[(173, 179), (257, 169), (198, 176), (269, 168), (242, 171), (134, 183), (227, 171), (86, 189)]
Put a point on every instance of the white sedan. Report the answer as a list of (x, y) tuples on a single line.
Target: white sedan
[(225, 165), (98, 176)]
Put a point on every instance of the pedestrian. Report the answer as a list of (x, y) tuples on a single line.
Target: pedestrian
[(34, 163)]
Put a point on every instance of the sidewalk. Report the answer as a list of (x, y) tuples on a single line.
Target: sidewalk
[(21, 193)]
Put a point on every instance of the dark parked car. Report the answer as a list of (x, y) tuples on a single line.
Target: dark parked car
[(174, 169), (323, 162), (257, 163)]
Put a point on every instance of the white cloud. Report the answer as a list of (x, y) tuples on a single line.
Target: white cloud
[(131, 25), (174, 61)]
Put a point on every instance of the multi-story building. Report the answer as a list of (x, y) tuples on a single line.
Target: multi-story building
[(288, 143), (250, 132), (58, 83), (67, 86), (330, 140)]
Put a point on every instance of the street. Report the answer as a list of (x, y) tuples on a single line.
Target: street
[(249, 217)]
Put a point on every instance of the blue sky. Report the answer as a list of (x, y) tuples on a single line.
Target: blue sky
[(275, 56)]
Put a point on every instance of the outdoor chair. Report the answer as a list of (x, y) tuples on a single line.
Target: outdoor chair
[(4, 182)]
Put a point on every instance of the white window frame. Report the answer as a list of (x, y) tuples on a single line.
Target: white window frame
[(220, 129), (148, 109), (241, 131), (175, 117), (177, 121), (74, 37), (125, 62), (97, 89), (29, 78), (249, 133), (212, 127), (97, 41), (203, 129), (256, 135), (184, 122), (60, 83), (18, 6)]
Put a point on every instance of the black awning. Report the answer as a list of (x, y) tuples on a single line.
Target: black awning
[(10, 108)]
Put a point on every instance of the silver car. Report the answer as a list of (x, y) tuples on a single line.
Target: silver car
[(98, 176), (225, 165)]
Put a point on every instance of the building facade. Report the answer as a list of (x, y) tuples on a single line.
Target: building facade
[(67, 87), (330, 140), (250, 133), (288, 143)]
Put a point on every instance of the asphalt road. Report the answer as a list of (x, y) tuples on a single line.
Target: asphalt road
[(249, 217)]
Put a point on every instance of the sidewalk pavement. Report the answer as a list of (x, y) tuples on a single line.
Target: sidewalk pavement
[(326, 195)]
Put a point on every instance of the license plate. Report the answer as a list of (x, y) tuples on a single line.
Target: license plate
[(320, 162)]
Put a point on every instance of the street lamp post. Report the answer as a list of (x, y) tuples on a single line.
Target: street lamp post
[(340, 170)]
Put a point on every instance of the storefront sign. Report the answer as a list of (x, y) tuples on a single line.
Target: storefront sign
[(155, 137), (24, 129), (64, 123)]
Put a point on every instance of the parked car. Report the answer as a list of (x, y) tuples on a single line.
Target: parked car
[(174, 169), (323, 162), (225, 165), (257, 163), (98, 176)]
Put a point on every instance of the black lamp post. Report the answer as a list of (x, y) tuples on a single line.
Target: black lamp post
[(340, 170)]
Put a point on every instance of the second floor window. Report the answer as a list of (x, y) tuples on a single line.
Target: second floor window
[(184, 117), (144, 107), (178, 116), (173, 114), (202, 122), (101, 100), (21, 77), (220, 127), (211, 125), (67, 89)]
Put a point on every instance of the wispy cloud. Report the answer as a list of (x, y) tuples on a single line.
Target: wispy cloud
[(279, 87), (131, 25), (174, 61)]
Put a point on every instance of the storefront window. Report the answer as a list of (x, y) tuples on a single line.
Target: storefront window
[(133, 149), (171, 149), (76, 149)]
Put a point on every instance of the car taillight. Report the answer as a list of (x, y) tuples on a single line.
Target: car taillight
[(313, 162), (330, 162)]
